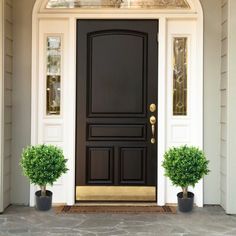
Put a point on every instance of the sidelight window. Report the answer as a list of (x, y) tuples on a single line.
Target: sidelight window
[(53, 75), (154, 4), (180, 76)]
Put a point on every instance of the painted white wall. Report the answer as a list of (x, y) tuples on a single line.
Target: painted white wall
[(21, 97)]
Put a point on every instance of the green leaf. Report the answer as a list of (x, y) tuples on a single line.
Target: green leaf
[(185, 166), (43, 164)]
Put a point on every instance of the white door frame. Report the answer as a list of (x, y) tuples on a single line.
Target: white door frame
[(2, 20), (40, 14)]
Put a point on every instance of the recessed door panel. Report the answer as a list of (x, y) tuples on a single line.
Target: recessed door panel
[(129, 174), (117, 88), (116, 83), (102, 157), (116, 132)]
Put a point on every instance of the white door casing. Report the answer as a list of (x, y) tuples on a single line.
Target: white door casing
[(172, 131)]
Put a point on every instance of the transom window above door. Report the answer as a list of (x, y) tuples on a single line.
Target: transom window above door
[(125, 4)]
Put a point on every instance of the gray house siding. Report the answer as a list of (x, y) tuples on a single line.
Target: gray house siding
[(228, 104), (224, 105), (8, 70), (231, 206)]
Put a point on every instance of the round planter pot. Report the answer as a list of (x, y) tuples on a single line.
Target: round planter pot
[(185, 204), (43, 203)]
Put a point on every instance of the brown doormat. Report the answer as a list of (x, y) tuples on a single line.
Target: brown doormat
[(115, 209)]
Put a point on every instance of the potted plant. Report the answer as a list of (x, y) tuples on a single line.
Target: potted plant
[(185, 166), (43, 165)]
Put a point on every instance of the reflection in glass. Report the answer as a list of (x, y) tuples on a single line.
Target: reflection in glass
[(180, 77), (156, 4), (53, 75)]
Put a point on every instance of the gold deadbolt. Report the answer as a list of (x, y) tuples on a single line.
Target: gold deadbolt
[(153, 107)]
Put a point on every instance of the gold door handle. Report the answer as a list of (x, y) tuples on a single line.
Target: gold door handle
[(153, 121)]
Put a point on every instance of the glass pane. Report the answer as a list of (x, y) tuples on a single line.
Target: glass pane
[(180, 77), (156, 4), (53, 75)]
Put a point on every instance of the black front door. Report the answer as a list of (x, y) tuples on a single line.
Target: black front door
[(117, 74)]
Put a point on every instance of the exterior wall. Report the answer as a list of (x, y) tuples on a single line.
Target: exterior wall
[(21, 96), (231, 206), (224, 105), (8, 70), (212, 50), (228, 103), (22, 17), (6, 102)]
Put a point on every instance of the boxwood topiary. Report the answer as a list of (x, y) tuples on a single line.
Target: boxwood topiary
[(185, 166), (43, 164)]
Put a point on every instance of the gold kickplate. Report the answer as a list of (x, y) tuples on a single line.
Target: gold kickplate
[(111, 193)]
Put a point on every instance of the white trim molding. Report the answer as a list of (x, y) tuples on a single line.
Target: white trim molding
[(171, 22)]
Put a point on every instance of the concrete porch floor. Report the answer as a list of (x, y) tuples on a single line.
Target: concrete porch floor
[(24, 221)]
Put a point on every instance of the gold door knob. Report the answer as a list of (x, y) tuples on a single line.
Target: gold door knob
[(153, 121)]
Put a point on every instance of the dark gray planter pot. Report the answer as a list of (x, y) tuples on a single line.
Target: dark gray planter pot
[(185, 205), (43, 203)]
